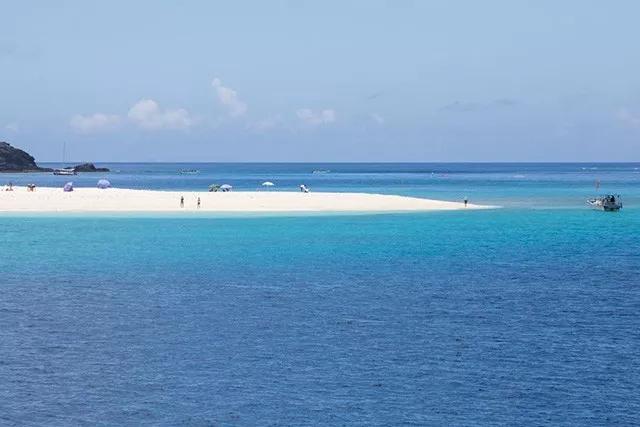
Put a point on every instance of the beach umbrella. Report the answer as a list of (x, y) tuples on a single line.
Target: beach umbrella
[(104, 183), (214, 187), (68, 187), (225, 187), (268, 184)]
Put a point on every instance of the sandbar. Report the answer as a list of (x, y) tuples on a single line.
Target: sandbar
[(46, 199)]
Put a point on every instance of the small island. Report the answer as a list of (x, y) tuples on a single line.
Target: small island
[(89, 167), (13, 159)]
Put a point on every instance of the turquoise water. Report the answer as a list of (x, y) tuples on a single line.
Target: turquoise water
[(528, 185), (522, 315)]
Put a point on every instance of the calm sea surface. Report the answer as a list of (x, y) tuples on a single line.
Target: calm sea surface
[(525, 315)]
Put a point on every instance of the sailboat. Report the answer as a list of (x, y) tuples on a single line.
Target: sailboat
[(66, 170)]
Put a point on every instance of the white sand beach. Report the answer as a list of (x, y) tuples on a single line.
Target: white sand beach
[(126, 200)]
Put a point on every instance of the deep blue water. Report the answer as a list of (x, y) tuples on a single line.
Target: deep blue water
[(525, 315)]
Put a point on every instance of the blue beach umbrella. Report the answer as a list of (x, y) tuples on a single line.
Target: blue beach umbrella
[(104, 183), (68, 187)]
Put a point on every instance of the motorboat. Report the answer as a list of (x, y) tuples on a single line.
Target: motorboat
[(608, 202), (189, 172)]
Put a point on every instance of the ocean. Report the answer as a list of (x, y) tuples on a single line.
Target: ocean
[(524, 315)]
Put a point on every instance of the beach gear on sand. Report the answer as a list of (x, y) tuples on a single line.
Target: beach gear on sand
[(226, 187), (104, 183), (268, 184), (68, 187)]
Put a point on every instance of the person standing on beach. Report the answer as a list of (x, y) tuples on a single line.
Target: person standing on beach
[(198, 202), (466, 200), (182, 201)]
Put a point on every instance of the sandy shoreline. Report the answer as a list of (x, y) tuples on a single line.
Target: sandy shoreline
[(126, 200)]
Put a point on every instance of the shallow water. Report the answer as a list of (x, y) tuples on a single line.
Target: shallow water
[(511, 316), (529, 185)]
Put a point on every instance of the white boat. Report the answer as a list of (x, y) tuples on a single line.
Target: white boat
[(65, 171), (189, 172), (608, 203)]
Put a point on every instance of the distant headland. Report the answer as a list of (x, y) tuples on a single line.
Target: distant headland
[(13, 159), (16, 160)]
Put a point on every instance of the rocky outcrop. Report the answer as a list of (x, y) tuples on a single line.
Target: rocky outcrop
[(15, 160), (89, 167)]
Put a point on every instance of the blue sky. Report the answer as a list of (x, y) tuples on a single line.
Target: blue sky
[(287, 80)]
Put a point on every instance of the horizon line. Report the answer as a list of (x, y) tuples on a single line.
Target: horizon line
[(344, 162)]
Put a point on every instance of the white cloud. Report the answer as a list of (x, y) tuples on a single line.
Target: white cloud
[(377, 118), (229, 99), (313, 118), (266, 124), (629, 117), (94, 123), (12, 127), (147, 114)]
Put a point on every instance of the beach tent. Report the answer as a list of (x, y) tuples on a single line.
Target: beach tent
[(104, 183), (68, 187), (268, 184), (226, 187)]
